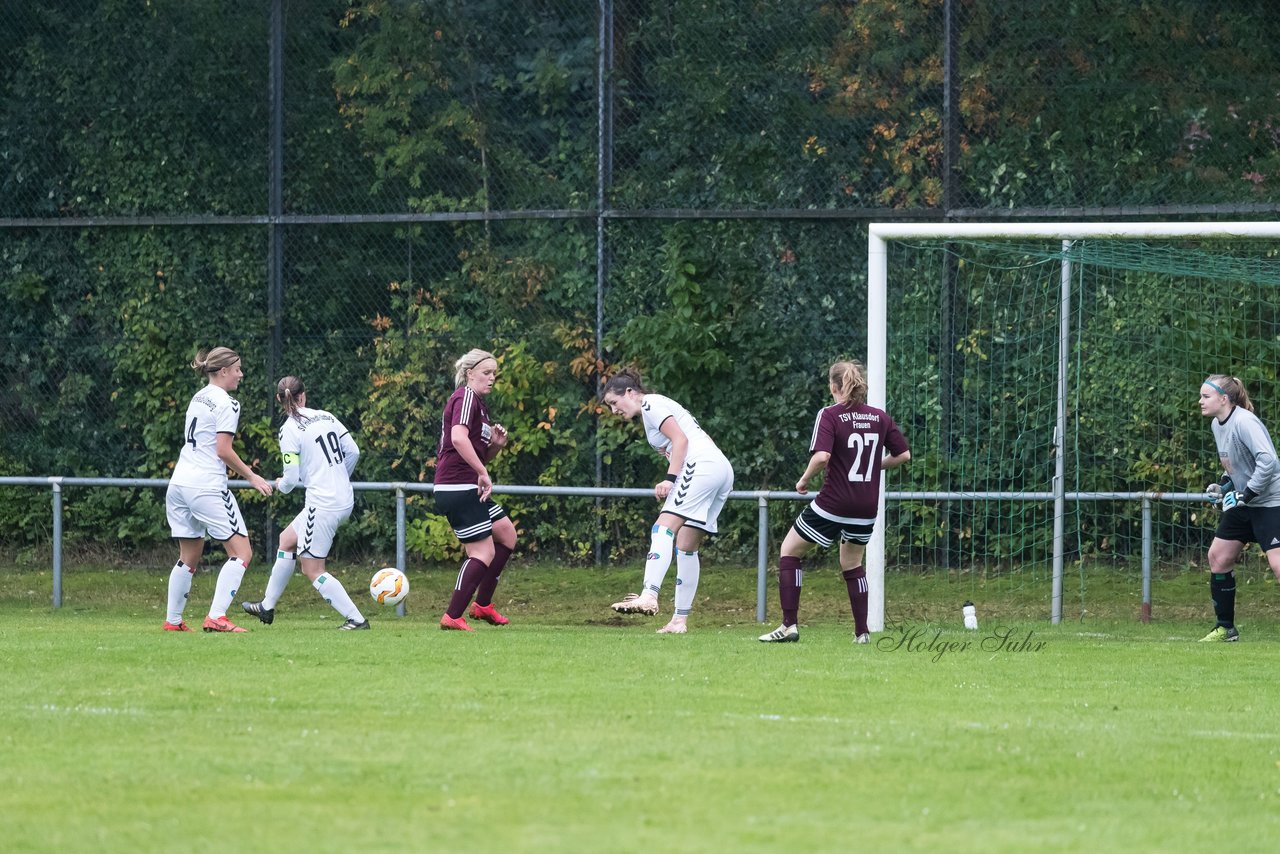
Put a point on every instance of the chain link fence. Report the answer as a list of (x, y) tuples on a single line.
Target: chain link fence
[(357, 193)]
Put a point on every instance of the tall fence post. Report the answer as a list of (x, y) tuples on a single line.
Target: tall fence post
[(275, 231), (604, 178)]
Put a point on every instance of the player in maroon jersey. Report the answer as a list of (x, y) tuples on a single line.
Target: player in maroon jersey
[(468, 441), (853, 442)]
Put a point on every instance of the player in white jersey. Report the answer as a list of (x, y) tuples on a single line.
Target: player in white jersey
[(1249, 493), (320, 455), (698, 482), (199, 502)]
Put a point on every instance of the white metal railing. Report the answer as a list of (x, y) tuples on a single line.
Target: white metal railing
[(761, 497)]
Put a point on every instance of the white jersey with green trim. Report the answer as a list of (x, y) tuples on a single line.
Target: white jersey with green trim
[(319, 454), (1248, 455), (655, 409), (211, 411)]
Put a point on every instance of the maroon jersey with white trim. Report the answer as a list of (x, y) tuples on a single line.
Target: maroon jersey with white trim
[(857, 438), (465, 407)]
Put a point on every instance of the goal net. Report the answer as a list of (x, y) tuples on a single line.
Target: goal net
[(1047, 377)]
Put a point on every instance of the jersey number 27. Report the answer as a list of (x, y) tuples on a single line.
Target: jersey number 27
[(864, 447)]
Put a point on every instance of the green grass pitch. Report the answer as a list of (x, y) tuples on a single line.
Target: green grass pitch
[(575, 730)]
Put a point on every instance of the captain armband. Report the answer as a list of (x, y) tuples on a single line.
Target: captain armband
[(290, 459)]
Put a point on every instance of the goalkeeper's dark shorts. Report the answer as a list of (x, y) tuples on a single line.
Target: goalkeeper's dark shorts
[(1247, 524)]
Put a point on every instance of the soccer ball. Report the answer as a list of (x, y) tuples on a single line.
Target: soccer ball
[(389, 586)]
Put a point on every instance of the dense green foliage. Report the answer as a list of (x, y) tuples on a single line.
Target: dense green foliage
[(116, 109)]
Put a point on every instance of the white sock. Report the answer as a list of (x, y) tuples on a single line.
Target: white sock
[(229, 578), (281, 572), (688, 568), (179, 588), (332, 591), (661, 544)]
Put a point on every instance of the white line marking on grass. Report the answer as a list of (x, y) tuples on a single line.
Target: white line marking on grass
[(1106, 636), (822, 719), (1226, 733), (82, 709)]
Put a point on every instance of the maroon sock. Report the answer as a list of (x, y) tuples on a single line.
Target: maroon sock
[(856, 580), (790, 579), (484, 593), (468, 579)]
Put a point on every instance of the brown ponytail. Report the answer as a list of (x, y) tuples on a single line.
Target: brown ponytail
[(287, 391)]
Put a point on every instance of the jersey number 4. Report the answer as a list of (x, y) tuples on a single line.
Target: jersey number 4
[(328, 443), (864, 447), (191, 432)]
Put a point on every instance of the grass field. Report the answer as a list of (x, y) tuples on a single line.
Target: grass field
[(576, 730)]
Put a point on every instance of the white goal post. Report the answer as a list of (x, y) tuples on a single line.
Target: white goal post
[(879, 236)]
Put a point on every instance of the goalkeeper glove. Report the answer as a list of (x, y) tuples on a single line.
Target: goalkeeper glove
[(1215, 491), (1237, 499)]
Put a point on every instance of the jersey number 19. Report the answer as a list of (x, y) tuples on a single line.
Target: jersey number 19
[(328, 443)]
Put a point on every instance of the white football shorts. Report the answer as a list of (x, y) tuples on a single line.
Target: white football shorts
[(700, 492), (316, 529), (195, 513)]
